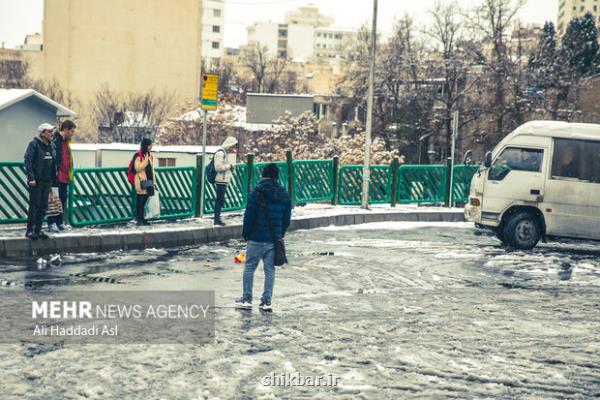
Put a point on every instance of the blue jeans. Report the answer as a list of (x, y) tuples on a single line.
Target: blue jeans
[(220, 188), (254, 253)]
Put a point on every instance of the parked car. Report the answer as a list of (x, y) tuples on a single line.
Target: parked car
[(541, 182)]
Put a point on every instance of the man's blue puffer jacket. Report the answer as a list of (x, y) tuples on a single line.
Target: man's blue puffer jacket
[(279, 209)]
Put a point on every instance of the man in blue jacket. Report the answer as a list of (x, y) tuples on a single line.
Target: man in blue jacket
[(272, 197)]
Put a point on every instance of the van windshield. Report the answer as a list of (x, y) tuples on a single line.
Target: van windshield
[(516, 159)]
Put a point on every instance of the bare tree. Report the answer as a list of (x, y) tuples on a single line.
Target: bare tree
[(128, 118), (493, 21), (13, 73), (458, 56), (267, 72)]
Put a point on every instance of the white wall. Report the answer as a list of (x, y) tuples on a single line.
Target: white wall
[(265, 34), (208, 36), (300, 42)]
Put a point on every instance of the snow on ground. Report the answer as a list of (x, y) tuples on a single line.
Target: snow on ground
[(408, 311), (235, 217)]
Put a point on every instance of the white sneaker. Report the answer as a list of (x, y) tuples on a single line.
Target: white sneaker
[(53, 228), (241, 303)]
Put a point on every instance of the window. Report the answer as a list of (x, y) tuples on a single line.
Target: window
[(576, 159), (216, 12), (216, 29), (338, 36), (215, 45), (282, 44), (166, 162), (283, 33), (516, 159)]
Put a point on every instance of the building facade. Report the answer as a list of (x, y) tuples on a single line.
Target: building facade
[(569, 9), (306, 36), (213, 31), (134, 47)]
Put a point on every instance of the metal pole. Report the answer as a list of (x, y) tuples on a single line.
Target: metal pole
[(367, 160), (203, 164), (452, 155)]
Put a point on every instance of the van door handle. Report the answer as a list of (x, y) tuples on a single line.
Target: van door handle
[(535, 192)]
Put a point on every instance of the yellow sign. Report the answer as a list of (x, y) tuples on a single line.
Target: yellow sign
[(210, 91)]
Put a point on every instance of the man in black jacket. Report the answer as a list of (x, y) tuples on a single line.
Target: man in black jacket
[(270, 196), (40, 167)]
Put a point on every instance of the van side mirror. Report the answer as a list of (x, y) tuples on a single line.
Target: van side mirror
[(487, 161)]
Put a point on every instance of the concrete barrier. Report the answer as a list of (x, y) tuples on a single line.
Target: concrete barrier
[(175, 237)]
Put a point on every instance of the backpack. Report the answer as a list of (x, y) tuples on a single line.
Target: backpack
[(211, 171), (131, 169)]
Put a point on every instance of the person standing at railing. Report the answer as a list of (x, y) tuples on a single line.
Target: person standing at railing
[(224, 160), (64, 159), (40, 167), (145, 179)]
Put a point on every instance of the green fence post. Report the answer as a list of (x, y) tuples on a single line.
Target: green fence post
[(336, 182), (290, 163), (394, 195), (250, 168), (448, 179), (199, 182)]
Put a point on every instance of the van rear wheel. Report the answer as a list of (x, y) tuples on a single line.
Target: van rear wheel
[(522, 231)]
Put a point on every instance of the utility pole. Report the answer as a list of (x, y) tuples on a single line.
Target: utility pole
[(367, 160)]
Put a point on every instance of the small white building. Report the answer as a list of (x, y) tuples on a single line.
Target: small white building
[(118, 155), (213, 28)]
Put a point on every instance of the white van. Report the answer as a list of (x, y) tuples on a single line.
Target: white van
[(541, 181)]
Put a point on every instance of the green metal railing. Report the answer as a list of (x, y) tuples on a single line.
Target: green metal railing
[(313, 181), (421, 184), (283, 172), (462, 182), (177, 188), (236, 195), (103, 195), (14, 193), (350, 184), (100, 196)]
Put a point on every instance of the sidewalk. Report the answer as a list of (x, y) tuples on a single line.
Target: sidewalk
[(201, 230)]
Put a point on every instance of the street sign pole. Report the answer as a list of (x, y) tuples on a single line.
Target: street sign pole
[(455, 116), (208, 102), (367, 161), (203, 164)]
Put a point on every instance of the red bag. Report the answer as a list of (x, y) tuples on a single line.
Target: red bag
[(131, 169)]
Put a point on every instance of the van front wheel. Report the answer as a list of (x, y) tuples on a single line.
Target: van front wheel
[(522, 231)]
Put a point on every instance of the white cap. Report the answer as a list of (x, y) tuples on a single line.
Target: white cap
[(45, 127)]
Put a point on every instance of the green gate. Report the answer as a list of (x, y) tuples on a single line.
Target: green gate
[(177, 188), (421, 184), (99, 196), (462, 182), (236, 195), (313, 181), (350, 184), (283, 172), (14, 193)]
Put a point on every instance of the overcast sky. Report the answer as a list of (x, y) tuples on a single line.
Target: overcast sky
[(20, 17)]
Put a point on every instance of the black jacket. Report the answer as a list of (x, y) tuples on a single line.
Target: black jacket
[(279, 211), (40, 161)]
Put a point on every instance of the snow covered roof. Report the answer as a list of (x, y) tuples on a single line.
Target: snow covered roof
[(8, 97), (134, 147), (279, 95)]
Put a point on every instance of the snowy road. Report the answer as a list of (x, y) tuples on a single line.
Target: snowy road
[(402, 310)]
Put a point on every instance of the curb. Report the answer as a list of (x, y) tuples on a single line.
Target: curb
[(74, 243)]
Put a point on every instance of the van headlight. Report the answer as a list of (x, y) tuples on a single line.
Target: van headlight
[(475, 202)]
